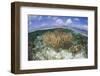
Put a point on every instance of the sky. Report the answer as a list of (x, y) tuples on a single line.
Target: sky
[(47, 21)]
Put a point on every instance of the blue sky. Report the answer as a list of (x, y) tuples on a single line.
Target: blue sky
[(42, 21)]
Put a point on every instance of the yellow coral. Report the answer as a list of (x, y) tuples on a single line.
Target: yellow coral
[(56, 38)]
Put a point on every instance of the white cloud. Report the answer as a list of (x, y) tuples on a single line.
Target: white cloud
[(40, 18), (68, 21), (83, 27), (76, 19), (54, 18), (43, 24), (59, 22)]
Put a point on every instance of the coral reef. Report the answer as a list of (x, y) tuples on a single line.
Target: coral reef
[(57, 44)]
